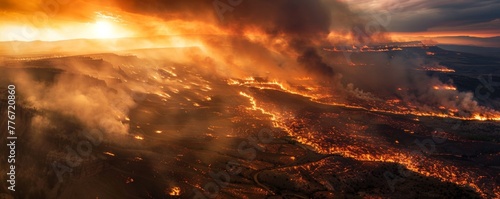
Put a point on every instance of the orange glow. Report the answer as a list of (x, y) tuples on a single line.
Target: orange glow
[(445, 87), (224, 61), (253, 102), (175, 191), (480, 117), (412, 162), (103, 29), (443, 34), (456, 38), (437, 69), (138, 137), (396, 106)]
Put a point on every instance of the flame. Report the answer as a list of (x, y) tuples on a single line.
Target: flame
[(412, 162), (254, 107), (317, 95), (437, 69), (445, 87), (129, 180), (138, 137), (104, 28), (175, 191), (279, 86), (480, 117)]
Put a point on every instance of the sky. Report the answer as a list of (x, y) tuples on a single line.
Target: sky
[(457, 17), (72, 19)]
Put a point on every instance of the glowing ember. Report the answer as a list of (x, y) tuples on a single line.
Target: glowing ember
[(480, 117), (138, 137), (213, 86), (109, 153), (175, 191), (253, 102), (438, 69), (444, 87), (397, 108), (137, 159), (129, 180)]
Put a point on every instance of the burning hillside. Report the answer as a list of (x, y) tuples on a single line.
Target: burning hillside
[(306, 99)]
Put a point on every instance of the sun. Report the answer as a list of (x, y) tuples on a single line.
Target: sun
[(103, 29)]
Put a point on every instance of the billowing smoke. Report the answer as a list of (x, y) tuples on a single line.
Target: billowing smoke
[(89, 91), (403, 76), (294, 26), (267, 38), (216, 40), (240, 38)]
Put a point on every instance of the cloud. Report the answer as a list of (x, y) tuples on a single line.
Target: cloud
[(481, 26), (424, 15)]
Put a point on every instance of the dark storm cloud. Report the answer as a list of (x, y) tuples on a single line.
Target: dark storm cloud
[(422, 15)]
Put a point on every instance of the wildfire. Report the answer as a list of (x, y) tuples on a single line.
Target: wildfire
[(106, 28), (437, 69), (445, 87), (254, 107), (412, 162), (480, 117), (393, 101), (129, 180), (415, 162), (276, 85), (138, 137), (316, 95), (175, 191), (476, 116)]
